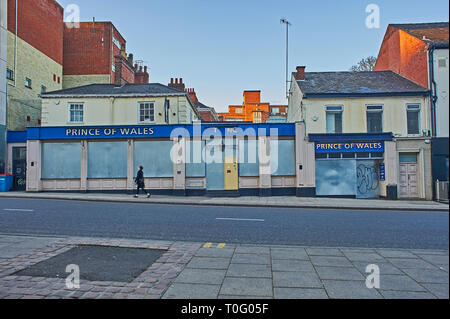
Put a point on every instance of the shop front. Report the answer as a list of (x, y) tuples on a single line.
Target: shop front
[(350, 165), (200, 159)]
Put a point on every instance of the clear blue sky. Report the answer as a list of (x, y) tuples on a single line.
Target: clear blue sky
[(224, 47)]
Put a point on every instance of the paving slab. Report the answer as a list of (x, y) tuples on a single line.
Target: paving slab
[(214, 252), (296, 280), (292, 265), (300, 293), (191, 291), (431, 276), (209, 263), (289, 253), (331, 261), (324, 252), (369, 258), (340, 289), (395, 253), (252, 250), (251, 259), (201, 276), (404, 263), (247, 287), (407, 295), (339, 273), (249, 270), (439, 290), (399, 283), (385, 268)]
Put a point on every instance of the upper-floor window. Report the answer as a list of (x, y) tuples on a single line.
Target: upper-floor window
[(275, 110), (413, 119), (374, 118), (146, 112), (28, 83), (10, 74), (76, 113), (43, 89), (238, 110), (334, 119)]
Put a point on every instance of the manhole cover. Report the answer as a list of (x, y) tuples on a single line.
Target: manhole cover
[(97, 263)]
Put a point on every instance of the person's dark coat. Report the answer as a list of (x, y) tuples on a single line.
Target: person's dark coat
[(140, 179)]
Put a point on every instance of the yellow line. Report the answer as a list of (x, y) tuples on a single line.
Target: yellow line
[(221, 245), (207, 245)]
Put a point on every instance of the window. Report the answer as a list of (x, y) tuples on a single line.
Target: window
[(413, 119), (146, 112), (238, 111), (43, 89), (442, 63), (28, 83), (76, 113), (10, 74), (275, 110), (374, 119), (334, 119)]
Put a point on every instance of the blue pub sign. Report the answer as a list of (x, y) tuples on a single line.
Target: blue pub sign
[(349, 147)]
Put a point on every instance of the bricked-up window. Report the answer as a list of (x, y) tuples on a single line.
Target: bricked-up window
[(146, 112), (28, 83), (76, 113), (43, 89), (10, 74)]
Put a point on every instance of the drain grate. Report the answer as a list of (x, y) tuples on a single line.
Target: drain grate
[(97, 263)]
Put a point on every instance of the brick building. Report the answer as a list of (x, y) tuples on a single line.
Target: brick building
[(206, 113), (420, 52), (95, 52), (34, 58), (253, 110)]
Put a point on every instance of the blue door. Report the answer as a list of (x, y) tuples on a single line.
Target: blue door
[(214, 159)]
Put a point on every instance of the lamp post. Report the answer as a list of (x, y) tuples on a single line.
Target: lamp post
[(287, 23)]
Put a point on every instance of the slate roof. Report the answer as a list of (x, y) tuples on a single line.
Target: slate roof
[(354, 84), (110, 90), (434, 33)]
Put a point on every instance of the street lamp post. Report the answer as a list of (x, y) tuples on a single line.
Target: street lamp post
[(287, 23)]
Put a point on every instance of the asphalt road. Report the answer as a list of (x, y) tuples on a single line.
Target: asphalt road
[(283, 226)]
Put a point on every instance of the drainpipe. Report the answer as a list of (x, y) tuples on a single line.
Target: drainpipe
[(433, 95), (15, 53)]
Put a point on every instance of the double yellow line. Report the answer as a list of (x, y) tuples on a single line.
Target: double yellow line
[(209, 245)]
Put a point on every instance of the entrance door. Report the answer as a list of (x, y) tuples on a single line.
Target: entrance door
[(408, 180), (19, 159), (214, 159), (408, 176), (367, 179)]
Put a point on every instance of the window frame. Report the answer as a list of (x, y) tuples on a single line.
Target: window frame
[(9, 72), (69, 110), (377, 110), (334, 109), (415, 110), (30, 86), (151, 104)]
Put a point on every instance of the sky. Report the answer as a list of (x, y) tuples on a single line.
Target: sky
[(222, 48)]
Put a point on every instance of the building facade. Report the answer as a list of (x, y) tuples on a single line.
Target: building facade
[(376, 122), (3, 87), (95, 52), (108, 104), (252, 110), (420, 52), (34, 58)]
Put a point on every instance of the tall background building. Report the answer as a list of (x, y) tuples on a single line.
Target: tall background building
[(3, 35)]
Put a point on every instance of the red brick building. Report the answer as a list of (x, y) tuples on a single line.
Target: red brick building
[(207, 114), (95, 52)]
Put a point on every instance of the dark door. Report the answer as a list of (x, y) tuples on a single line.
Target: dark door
[(19, 159)]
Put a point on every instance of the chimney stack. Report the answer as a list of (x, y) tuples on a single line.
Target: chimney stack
[(300, 75)]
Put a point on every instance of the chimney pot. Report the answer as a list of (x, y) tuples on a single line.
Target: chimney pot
[(171, 80), (140, 68), (181, 80), (145, 69), (176, 80), (300, 76)]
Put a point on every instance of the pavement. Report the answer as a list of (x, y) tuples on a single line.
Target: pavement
[(190, 270), (246, 201)]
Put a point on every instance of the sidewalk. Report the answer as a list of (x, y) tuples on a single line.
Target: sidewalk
[(211, 270), (250, 201)]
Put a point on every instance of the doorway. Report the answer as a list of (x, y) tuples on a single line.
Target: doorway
[(19, 161), (408, 176)]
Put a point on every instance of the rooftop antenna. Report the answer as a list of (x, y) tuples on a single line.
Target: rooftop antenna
[(287, 23)]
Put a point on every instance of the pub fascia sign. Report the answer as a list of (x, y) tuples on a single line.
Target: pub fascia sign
[(347, 147)]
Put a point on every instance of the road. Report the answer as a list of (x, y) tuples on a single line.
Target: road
[(283, 226)]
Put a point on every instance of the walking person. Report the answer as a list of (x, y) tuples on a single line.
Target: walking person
[(140, 182)]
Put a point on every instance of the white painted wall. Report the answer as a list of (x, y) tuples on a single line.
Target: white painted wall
[(441, 76)]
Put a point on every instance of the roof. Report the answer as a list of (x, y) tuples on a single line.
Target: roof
[(433, 33), (110, 90), (358, 84)]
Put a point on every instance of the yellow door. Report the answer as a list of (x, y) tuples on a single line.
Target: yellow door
[(231, 173)]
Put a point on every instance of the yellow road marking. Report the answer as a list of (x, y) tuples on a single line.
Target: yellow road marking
[(207, 245), (221, 245)]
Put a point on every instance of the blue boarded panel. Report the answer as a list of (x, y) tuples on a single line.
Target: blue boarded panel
[(61, 160), (195, 161), (107, 159), (335, 177), (155, 157), (282, 157), (248, 158)]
